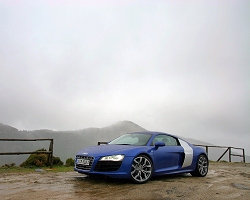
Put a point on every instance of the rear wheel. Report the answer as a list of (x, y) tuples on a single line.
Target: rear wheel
[(141, 170), (201, 166)]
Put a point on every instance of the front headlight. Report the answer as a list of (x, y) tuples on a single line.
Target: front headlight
[(113, 158)]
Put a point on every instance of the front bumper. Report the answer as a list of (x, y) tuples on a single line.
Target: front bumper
[(112, 169)]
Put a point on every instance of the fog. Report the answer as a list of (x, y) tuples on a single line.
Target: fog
[(173, 66)]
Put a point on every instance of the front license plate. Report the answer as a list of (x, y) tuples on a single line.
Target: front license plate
[(83, 161)]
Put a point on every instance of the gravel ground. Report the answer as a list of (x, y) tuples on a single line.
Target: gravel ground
[(224, 181)]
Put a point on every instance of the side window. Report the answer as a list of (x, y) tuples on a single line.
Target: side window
[(168, 140), (158, 138)]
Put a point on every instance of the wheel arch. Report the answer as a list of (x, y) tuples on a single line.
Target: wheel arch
[(149, 156), (146, 154)]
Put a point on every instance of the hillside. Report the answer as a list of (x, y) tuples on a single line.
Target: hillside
[(7, 129), (68, 143)]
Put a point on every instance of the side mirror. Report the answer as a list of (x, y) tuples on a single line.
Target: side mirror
[(159, 144)]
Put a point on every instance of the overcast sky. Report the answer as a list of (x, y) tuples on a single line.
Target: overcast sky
[(174, 66)]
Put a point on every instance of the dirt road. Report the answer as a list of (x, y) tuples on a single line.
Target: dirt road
[(224, 181)]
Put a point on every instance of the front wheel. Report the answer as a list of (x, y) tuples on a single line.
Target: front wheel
[(141, 170), (201, 166)]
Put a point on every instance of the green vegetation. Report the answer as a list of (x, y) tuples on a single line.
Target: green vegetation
[(10, 165), (39, 163), (40, 160), (57, 161), (70, 162)]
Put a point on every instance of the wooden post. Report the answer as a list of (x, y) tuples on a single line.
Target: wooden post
[(51, 155), (229, 154), (244, 159)]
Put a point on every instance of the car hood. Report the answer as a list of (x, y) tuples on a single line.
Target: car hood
[(111, 149)]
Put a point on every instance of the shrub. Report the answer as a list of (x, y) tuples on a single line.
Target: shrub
[(9, 165), (70, 162), (40, 160), (13, 164), (57, 161)]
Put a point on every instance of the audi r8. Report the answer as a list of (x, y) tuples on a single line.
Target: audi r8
[(141, 155)]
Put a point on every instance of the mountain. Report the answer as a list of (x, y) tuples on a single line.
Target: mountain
[(68, 143), (7, 129)]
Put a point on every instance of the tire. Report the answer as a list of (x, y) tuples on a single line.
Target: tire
[(201, 166), (141, 169)]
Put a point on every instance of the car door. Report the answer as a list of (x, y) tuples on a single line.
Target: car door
[(168, 157)]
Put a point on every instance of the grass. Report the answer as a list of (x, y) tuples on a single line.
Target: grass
[(15, 169)]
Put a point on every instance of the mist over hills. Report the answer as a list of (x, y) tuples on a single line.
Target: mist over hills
[(7, 129), (68, 143)]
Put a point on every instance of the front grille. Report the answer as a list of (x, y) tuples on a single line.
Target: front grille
[(85, 167), (107, 166)]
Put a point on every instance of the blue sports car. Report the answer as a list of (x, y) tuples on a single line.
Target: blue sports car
[(141, 155)]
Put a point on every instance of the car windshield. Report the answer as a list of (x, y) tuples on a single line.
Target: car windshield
[(136, 139)]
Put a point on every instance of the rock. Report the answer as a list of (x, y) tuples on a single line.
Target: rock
[(39, 170)]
